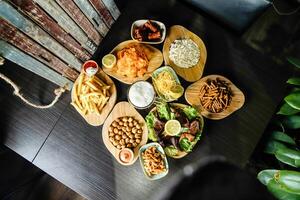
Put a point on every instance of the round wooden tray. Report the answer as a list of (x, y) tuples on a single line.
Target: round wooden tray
[(189, 74), (181, 154), (192, 97), (94, 119), (122, 109), (154, 56)]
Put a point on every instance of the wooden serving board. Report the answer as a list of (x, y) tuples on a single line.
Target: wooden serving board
[(189, 74), (123, 109), (95, 119), (181, 154), (192, 97), (154, 56)]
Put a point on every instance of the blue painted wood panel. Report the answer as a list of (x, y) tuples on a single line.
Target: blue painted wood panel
[(17, 56)]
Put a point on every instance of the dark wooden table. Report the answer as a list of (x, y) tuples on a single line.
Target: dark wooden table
[(60, 142)]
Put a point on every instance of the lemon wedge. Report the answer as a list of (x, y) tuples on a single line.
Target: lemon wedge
[(172, 127), (176, 92), (109, 61)]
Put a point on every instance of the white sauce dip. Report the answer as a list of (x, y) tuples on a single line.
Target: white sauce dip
[(141, 94)]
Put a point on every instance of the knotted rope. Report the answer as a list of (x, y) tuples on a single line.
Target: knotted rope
[(58, 92)]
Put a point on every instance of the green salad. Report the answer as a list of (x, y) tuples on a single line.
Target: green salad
[(191, 127)]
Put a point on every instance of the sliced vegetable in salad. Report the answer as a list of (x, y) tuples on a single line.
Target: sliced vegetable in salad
[(191, 127)]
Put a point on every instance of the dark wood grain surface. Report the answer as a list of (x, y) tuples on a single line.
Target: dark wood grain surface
[(23, 128), (75, 154)]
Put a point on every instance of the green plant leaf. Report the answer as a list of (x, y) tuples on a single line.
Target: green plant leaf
[(291, 121), (282, 137), (288, 156), (294, 81), (295, 90), (272, 146), (286, 109), (293, 100), (266, 175), (281, 192), (290, 179), (294, 61)]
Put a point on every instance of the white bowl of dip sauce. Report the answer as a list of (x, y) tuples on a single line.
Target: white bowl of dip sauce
[(141, 94)]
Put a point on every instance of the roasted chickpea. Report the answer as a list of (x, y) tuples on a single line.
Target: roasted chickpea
[(131, 136), (134, 130), (117, 137), (116, 130), (123, 146), (131, 140), (114, 124), (139, 131), (135, 122), (115, 143), (134, 144), (128, 129), (119, 146), (127, 140), (122, 141), (125, 124), (129, 145), (138, 126), (138, 141), (111, 134), (130, 124), (110, 129), (117, 120), (111, 139), (137, 136)]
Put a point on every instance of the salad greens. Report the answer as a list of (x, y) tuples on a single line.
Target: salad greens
[(191, 112), (164, 111), (188, 146), (150, 120), (171, 150)]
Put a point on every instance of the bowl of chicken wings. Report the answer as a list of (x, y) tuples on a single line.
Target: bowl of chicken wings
[(148, 31)]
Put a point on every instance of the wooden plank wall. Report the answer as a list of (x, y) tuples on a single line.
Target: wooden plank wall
[(17, 56), (55, 36)]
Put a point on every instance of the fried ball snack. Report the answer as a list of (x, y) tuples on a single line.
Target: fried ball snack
[(125, 132)]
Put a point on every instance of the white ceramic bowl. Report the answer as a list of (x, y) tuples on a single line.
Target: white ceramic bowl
[(141, 22), (161, 151)]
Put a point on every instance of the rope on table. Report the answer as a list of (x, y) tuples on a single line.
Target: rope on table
[(58, 92)]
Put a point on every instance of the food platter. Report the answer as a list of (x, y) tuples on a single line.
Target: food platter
[(93, 118), (122, 109), (170, 129), (154, 56), (192, 97), (199, 118), (189, 74)]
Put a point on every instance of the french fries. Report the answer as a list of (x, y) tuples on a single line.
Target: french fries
[(91, 94)]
